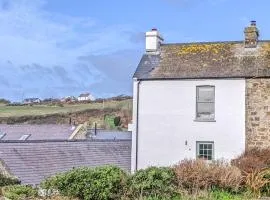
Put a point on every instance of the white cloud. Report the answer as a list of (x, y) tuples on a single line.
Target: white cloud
[(30, 34)]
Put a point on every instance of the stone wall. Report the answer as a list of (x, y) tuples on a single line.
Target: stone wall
[(257, 113)]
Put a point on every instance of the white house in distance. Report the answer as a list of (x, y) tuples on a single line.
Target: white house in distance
[(207, 100), (31, 101), (86, 97)]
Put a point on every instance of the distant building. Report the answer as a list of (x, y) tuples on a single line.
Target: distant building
[(69, 99), (31, 100), (86, 97)]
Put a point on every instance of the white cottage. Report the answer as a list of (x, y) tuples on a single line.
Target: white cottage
[(200, 100), (86, 97)]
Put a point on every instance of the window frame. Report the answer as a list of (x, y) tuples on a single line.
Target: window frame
[(198, 149), (199, 119)]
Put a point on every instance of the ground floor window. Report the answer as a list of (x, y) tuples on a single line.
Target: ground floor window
[(205, 150)]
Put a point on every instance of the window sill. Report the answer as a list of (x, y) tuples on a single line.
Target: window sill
[(204, 120)]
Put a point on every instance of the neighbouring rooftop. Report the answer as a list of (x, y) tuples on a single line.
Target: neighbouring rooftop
[(33, 161), (102, 134), (35, 132)]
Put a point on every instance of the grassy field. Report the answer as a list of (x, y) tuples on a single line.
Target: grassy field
[(17, 111)]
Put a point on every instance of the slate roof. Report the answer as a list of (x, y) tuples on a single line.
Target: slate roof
[(84, 95), (32, 161), (206, 60), (37, 132), (102, 134)]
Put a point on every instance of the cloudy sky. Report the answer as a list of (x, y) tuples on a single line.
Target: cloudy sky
[(55, 48)]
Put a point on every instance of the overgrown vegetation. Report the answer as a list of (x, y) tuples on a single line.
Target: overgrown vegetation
[(255, 167), (89, 183), (197, 175), (187, 180), (153, 182), (19, 192), (4, 180)]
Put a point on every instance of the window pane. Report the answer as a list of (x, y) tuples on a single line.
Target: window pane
[(206, 94), (205, 150), (205, 110)]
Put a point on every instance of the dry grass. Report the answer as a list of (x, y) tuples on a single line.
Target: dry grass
[(17, 111), (256, 180), (197, 175), (253, 160)]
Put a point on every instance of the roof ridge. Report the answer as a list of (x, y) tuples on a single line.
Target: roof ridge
[(66, 141), (210, 42)]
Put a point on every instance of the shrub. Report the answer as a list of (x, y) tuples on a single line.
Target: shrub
[(19, 192), (258, 181), (4, 180), (4, 101), (89, 183), (253, 160), (117, 121), (195, 175), (153, 182)]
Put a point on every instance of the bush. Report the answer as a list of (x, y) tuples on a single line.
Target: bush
[(258, 181), (4, 101), (153, 182), (4, 180), (195, 175), (89, 183), (19, 192), (253, 160), (117, 121)]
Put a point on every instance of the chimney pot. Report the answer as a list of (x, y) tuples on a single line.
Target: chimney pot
[(253, 23), (251, 35)]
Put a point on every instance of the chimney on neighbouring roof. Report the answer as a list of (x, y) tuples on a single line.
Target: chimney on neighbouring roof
[(251, 35), (153, 41)]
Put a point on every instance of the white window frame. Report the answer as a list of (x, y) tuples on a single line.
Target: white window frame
[(197, 118), (198, 154)]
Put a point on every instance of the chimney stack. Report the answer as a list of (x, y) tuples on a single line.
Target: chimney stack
[(153, 41), (251, 35)]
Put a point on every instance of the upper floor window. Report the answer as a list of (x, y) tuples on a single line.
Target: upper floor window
[(205, 103)]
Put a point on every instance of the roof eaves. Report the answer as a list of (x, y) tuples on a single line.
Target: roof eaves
[(206, 77)]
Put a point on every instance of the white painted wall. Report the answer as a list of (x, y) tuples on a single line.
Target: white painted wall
[(166, 120)]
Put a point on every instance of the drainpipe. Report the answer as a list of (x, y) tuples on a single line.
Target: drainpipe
[(137, 125)]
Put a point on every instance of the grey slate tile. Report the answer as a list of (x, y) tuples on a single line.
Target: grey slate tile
[(32, 161)]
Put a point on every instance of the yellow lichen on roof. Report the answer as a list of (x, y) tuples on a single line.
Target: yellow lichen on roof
[(203, 48), (265, 49)]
